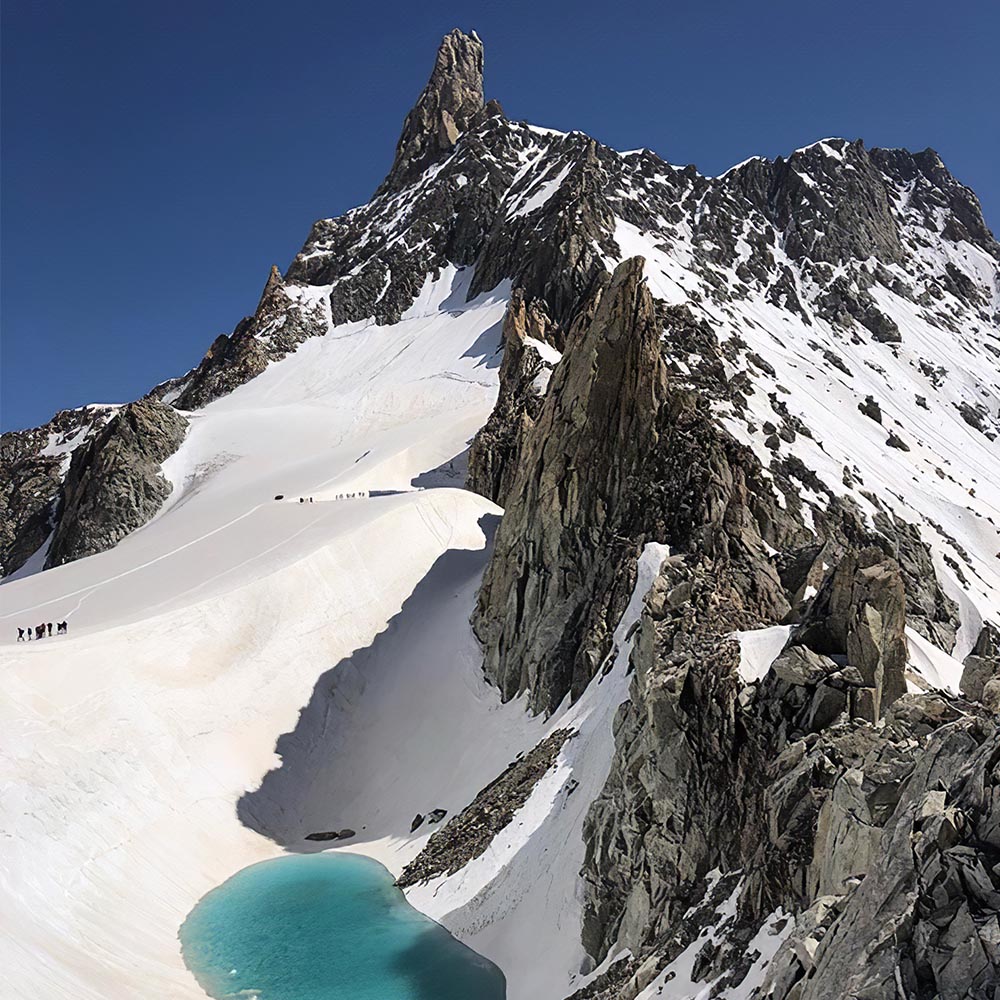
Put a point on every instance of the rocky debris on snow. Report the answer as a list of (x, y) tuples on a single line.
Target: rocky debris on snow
[(114, 484), (344, 834), (975, 417), (843, 300), (895, 441), (871, 409), (468, 834)]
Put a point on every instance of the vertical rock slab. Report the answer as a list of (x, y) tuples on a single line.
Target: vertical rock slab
[(982, 664), (449, 102), (552, 589), (876, 640), (114, 484), (493, 454)]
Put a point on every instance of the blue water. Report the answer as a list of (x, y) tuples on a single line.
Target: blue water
[(326, 927)]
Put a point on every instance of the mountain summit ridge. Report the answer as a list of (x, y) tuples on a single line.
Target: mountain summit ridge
[(445, 109)]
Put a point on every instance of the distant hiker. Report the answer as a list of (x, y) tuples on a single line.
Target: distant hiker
[(302, 499), (39, 631), (61, 628), (20, 635), (49, 627), (310, 499)]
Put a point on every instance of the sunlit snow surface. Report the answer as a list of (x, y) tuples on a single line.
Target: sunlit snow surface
[(196, 641)]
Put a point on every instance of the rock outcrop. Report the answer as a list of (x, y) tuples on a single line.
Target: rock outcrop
[(114, 484), (982, 665), (493, 453), (821, 803), (469, 834), (29, 487), (918, 915), (33, 464), (548, 630), (859, 614), (282, 320), (451, 100)]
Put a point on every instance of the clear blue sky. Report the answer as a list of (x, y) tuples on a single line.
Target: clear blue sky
[(157, 158)]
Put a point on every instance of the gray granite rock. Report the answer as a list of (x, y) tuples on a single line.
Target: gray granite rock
[(449, 103), (114, 484)]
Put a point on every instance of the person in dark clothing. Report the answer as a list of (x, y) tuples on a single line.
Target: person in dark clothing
[(49, 627), (61, 628), (20, 635), (39, 631)]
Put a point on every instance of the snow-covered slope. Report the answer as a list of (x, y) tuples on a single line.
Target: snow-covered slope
[(194, 643)]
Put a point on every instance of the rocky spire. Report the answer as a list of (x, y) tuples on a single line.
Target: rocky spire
[(452, 97)]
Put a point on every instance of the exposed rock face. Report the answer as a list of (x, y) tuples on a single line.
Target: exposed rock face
[(283, 319), (672, 807), (983, 664), (469, 834), (922, 920), (860, 614), (114, 484), (555, 258), (33, 464), (876, 643), (493, 454), (779, 783), (452, 98), (860, 224), (29, 486), (868, 815), (547, 631), (929, 610)]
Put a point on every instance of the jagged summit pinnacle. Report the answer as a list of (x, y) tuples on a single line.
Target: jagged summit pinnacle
[(447, 105)]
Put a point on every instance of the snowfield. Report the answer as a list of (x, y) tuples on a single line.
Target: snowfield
[(195, 643)]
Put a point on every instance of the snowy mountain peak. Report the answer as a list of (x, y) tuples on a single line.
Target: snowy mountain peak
[(447, 107)]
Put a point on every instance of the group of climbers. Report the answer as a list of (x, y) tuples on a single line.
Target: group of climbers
[(41, 631)]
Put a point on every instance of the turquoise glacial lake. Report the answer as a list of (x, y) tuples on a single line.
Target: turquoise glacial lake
[(326, 927)]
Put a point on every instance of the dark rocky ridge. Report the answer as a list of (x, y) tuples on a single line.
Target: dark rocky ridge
[(114, 484), (493, 453), (30, 480), (453, 193), (547, 630), (467, 836)]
